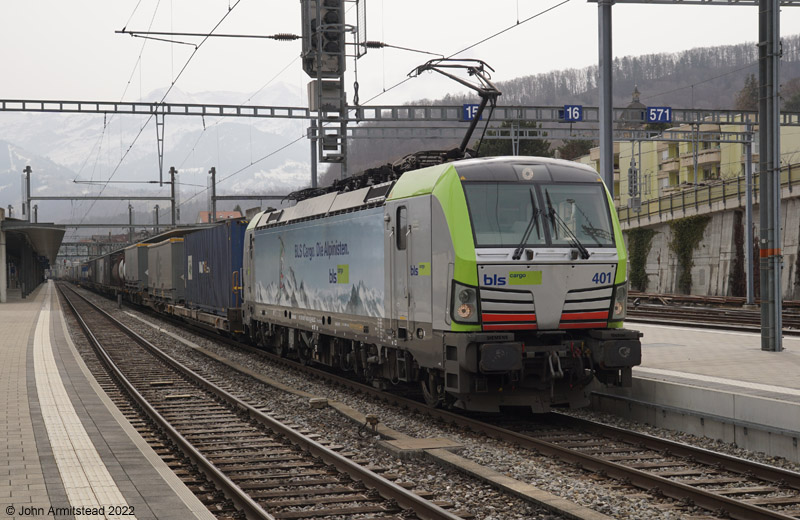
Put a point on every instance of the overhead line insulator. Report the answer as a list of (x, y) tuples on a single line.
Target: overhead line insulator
[(285, 37)]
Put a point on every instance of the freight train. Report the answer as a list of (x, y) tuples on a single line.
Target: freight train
[(490, 282)]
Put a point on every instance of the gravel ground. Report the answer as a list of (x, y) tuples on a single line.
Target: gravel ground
[(693, 440), (465, 493), (602, 495)]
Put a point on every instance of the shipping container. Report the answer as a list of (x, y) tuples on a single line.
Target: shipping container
[(117, 263), (213, 267), (136, 267), (97, 270), (165, 278)]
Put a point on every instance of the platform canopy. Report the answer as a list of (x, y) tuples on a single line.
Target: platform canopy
[(44, 238)]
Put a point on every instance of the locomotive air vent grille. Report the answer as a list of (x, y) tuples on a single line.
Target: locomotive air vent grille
[(494, 300), (507, 310), (586, 308), (589, 299)]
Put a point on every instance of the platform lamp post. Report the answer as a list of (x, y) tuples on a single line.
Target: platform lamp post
[(3, 263), (769, 51), (26, 196), (155, 220), (748, 248), (606, 112), (213, 216), (130, 221), (173, 174)]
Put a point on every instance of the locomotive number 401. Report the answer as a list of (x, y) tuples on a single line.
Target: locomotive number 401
[(601, 278)]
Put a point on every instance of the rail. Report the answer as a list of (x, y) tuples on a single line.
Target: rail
[(642, 479), (406, 499)]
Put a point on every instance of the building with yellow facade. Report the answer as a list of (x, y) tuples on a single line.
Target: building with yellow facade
[(687, 156)]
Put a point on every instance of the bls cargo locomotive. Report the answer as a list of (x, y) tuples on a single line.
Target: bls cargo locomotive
[(494, 282)]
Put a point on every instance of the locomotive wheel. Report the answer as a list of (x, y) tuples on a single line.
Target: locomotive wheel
[(432, 389)]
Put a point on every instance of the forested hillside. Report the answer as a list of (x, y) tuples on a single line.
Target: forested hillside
[(707, 77)]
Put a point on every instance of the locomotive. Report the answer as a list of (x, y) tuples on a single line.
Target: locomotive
[(490, 282), (493, 282)]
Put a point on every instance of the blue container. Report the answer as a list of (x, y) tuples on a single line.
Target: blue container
[(213, 267)]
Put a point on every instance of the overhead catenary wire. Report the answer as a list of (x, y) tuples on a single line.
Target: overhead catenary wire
[(137, 64), (169, 89), (386, 90), (517, 24), (220, 119)]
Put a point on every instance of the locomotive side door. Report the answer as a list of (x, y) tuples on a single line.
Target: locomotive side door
[(408, 244), (418, 268), (396, 246)]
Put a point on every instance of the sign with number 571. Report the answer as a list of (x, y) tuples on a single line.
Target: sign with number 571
[(659, 114)]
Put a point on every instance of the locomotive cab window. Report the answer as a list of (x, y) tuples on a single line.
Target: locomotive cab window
[(578, 211), (402, 227), (504, 215), (540, 214)]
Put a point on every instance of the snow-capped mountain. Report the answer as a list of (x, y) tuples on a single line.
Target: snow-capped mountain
[(356, 298), (257, 155)]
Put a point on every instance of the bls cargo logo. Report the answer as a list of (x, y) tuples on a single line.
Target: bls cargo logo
[(514, 278), (493, 280), (339, 275)]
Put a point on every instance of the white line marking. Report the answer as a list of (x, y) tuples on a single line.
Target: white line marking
[(720, 380), (638, 325), (83, 473)]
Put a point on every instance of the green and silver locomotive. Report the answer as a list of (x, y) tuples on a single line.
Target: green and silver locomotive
[(493, 282)]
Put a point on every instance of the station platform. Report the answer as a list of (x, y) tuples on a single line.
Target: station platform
[(66, 450), (717, 384)]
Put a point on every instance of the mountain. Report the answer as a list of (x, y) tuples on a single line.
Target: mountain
[(271, 156), (355, 298), (257, 155)]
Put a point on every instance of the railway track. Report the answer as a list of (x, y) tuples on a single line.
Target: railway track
[(263, 466), (715, 482), (712, 312), (733, 487)]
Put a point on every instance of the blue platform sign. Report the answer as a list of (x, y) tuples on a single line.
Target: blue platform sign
[(468, 112), (659, 114), (573, 113)]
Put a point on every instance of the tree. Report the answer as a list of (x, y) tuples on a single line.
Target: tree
[(790, 92), (495, 147), (747, 98), (573, 149)]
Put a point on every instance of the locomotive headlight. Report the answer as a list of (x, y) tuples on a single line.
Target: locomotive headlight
[(465, 311), (620, 302), (464, 303)]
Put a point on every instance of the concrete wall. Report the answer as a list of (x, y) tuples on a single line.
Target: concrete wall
[(714, 256)]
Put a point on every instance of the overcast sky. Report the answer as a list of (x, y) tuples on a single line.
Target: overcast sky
[(56, 49)]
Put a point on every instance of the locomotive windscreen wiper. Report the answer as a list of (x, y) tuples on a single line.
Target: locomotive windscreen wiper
[(534, 220), (556, 218)]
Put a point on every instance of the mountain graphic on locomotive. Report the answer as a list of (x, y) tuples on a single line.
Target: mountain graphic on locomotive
[(494, 282)]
